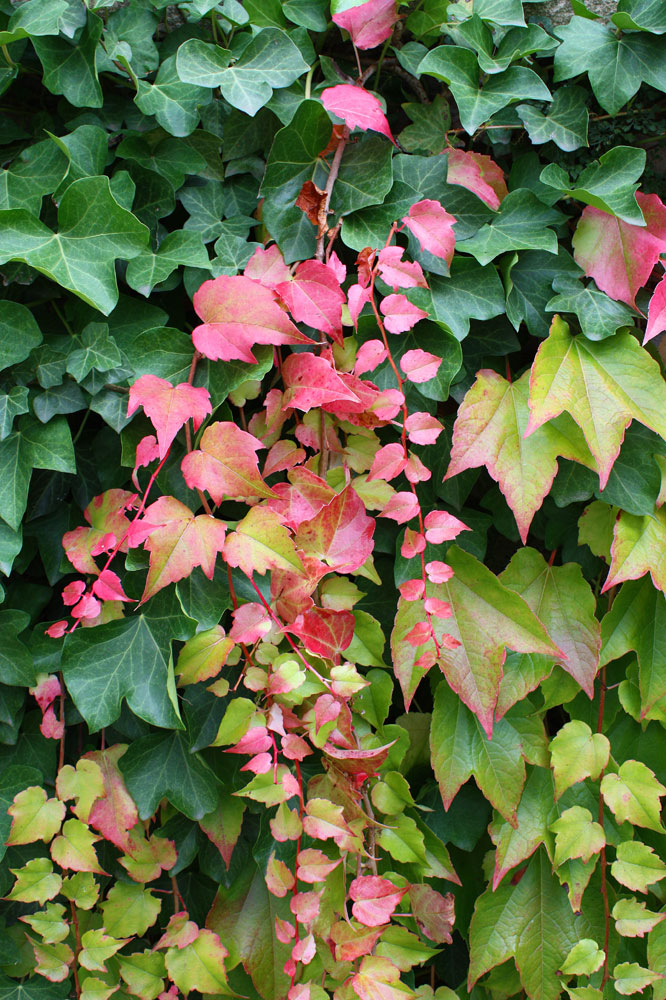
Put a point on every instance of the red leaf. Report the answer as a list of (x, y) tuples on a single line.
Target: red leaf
[(147, 451), (357, 108), (311, 381), (226, 464), (88, 607), (479, 174), (238, 313), (57, 630), (413, 543), (438, 572), (106, 515), (420, 366), (358, 762), (314, 296), (618, 255), (369, 24), (374, 899), (400, 314), (267, 266), (389, 462), (397, 272), (251, 622), (656, 323), (108, 587), (324, 632), (301, 498), (181, 542), (282, 456), (433, 228), (115, 814), (168, 407), (340, 534), (73, 592), (412, 590), (314, 866)]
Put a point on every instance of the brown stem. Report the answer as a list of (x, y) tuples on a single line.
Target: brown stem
[(328, 190), (177, 898), (77, 948)]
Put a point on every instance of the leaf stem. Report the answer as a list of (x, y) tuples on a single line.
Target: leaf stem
[(328, 190)]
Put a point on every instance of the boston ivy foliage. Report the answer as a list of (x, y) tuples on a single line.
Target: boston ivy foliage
[(333, 458)]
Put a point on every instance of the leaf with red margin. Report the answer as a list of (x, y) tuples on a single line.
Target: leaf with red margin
[(115, 814), (656, 323), (301, 498), (352, 941), (357, 107), (267, 266), (434, 913), (618, 255), (487, 619), (370, 23), (374, 899), (181, 542), (223, 826), (261, 542), (106, 515), (357, 762), (226, 464), (168, 407), (604, 385), (239, 313), (340, 534), (399, 313), (433, 227), (479, 174), (179, 932), (489, 430), (314, 296), (324, 632), (565, 604), (639, 547), (378, 979), (311, 381)]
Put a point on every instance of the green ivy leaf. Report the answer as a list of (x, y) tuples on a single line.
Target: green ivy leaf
[(609, 184), (149, 269), (565, 123), (641, 15), (598, 315), (521, 223), (70, 69), (175, 104), (161, 766)]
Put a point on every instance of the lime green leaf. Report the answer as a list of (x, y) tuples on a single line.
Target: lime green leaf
[(584, 958), (53, 960), (577, 753), (74, 849), (632, 919), (129, 910), (261, 542), (97, 946), (637, 866), (84, 783), (633, 978), (203, 656), (161, 766), (143, 972), (34, 817), (35, 882), (93, 232), (82, 889), (49, 923), (200, 965), (637, 544), (403, 840), (577, 835), (603, 385), (656, 954), (634, 794)]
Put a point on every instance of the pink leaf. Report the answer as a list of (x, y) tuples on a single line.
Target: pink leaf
[(357, 108), (324, 632), (389, 462), (433, 912), (337, 267), (479, 174), (438, 572), (115, 814), (314, 866), (168, 407), (618, 255), (238, 313), (656, 323), (370, 23), (226, 464), (340, 534), (374, 899), (73, 592), (400, 314), (422, 428), (108, 587), (412, 590), (46, 692), (401, 507), (442, 527), (147, 451), (314, 296), (267, 266), (179, 932), (369, 355), (440, 609), (50, 727), (57, 630), (301, 498), (181, 542), (305, 906), (282, 456), (388, 404), (420, 366), (251, 622), (357, 296), (433, 228), (88, 607), (311, 381), (413, 543), (397, 272)]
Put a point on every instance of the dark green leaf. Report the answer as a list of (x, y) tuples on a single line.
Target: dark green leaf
[(609, 185), (69, 69), (598, 315), (470, 292), (565, 124), (161, 766), (175, 104), (14, 347), (521, 223)]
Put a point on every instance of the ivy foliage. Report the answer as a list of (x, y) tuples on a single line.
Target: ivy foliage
[(332, 481)]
